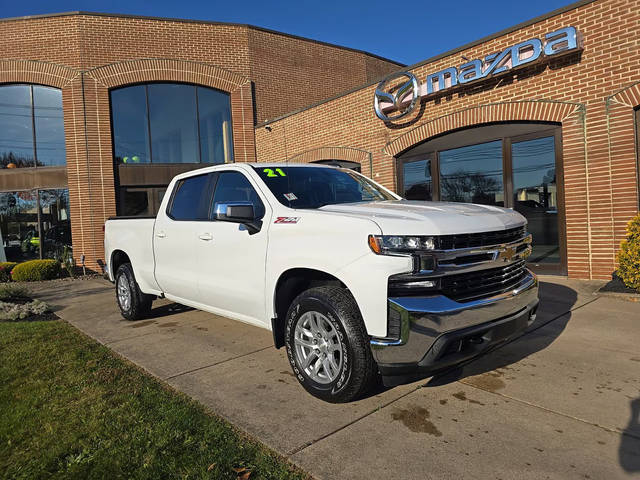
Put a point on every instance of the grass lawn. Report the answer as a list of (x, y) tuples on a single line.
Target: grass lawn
[(69, 408)]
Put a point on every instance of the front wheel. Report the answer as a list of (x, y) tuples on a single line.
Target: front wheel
[(133, 304), (327, 345)]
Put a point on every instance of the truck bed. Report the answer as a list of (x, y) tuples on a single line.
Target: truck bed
[(133, 235)]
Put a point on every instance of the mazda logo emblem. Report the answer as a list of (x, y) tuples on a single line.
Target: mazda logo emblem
[(396, 100)]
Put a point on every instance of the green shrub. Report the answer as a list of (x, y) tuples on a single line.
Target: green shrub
[(5, 271), (12, 291), (629, 255), (35, 270)]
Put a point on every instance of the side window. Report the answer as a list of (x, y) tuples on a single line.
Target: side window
[(191, 199), (234, 187)]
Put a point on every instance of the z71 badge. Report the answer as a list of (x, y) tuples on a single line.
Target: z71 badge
[(287, 220)]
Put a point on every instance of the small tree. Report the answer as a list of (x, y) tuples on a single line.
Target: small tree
[(629, 255)]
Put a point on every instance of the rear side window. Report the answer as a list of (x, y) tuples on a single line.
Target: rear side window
[(235, 187), (191, 199)]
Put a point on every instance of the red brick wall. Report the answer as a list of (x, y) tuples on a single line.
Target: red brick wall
[(103, 52), (291, 74), (597, 125)]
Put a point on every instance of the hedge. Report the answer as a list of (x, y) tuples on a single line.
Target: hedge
[(35, 270), (5, 271), (629, 255)]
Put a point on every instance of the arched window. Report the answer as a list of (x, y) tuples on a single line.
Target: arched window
[(31, 126), (514, 165), (171, 123)]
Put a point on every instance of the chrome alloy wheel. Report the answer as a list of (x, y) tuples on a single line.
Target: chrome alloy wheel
[(124, 293), (318, 348)]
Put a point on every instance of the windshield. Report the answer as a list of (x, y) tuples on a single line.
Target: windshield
[(313, 187)]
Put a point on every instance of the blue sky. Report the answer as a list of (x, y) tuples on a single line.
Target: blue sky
[(407, 32)]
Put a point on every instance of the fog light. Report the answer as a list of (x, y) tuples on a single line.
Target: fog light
[(427, 263)]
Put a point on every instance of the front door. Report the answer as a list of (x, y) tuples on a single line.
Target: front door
[(176, 236), (231, 262)]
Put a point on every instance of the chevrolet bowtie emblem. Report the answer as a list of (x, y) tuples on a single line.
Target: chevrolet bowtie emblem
[(508, 254)]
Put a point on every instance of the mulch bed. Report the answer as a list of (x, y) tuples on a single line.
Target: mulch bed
[(616, 286)]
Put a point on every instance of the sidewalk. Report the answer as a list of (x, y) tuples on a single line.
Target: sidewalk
[(562, 401)]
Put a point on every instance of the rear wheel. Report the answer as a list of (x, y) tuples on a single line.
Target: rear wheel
[(133, 304), (327, 345)]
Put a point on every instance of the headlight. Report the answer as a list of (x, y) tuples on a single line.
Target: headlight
[(390, 244)]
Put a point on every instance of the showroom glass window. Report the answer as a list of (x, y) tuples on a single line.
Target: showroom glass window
[(472, 174), (31, 127), (416, 178), (171, 123), (35, 224), (506, 165)]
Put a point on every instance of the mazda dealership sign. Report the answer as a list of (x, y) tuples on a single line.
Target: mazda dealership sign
[(394, 103)]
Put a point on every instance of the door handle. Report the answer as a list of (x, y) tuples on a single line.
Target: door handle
[(161, 235), (205, 236)]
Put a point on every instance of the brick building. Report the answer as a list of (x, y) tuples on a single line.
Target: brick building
[(547, 126), (98, 112)]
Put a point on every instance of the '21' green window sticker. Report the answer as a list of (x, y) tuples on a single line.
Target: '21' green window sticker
[(274, 173)]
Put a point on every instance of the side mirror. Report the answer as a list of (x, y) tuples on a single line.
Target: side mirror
[(238, 212)]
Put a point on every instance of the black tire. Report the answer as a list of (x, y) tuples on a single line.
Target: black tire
[(358, 371), (139, 305)]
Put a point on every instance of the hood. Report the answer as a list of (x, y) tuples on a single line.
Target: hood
[(407, 217)]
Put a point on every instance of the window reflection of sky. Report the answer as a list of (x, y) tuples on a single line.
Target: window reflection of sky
[(472, 173), (171, 123), (16, 126), (534, 162)]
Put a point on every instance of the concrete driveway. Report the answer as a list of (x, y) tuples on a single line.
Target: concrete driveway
[(562, 401)]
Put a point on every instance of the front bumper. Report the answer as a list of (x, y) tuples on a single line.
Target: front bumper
[(437, 332)]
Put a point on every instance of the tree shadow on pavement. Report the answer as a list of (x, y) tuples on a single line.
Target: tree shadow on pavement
[(554, 313), (629, 451)]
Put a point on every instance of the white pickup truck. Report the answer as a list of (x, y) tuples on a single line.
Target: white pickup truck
[(356, 282)]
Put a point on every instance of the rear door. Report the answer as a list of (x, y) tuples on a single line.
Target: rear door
[(231, 262), (176, 236)]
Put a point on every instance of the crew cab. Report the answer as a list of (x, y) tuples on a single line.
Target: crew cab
[(354, 281)]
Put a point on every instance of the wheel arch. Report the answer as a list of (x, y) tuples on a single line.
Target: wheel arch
[(290, 284), (118, 257)]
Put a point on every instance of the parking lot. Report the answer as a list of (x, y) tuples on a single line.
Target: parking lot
[(562, 401)]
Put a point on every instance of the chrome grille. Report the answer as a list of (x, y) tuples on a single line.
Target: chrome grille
[(464, 287), (470, 240)]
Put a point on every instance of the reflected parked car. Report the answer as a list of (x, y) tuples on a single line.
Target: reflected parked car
[(56, 239)]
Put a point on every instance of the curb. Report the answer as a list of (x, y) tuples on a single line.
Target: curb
[(629, 297)]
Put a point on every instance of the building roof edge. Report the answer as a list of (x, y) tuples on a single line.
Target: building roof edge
[(205, 22)]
